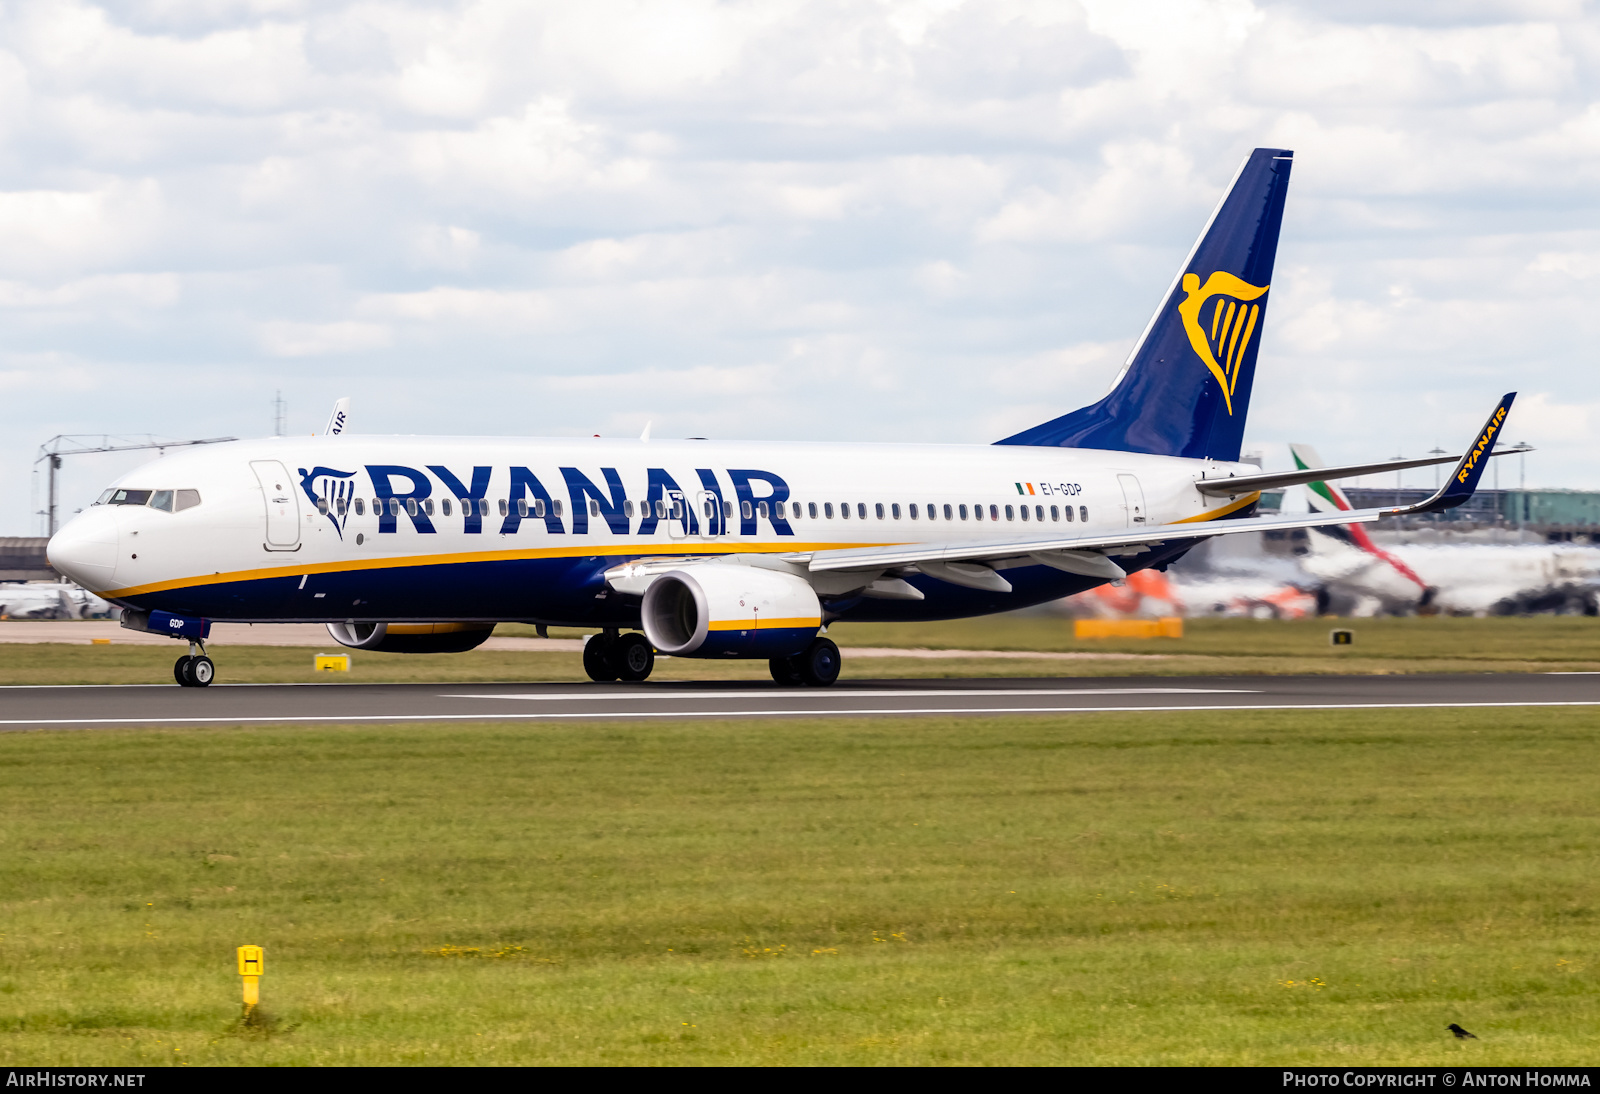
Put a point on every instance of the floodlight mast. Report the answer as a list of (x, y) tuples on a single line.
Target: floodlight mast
[(63, 445)]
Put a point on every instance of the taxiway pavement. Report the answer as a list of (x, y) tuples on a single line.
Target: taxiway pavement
[(24, 708)]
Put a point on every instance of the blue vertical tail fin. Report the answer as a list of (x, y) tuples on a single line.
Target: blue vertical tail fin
[(1185, 389)]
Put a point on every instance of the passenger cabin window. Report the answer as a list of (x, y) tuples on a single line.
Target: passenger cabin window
[(322, 504), (444, 507), (949, 513), (994, 512), (963, 512), (827, 508), (538, 507), (411, 507), (1083, 513), (811, 509), (844, 511), (503, 510), (1055, 512), (895, 509), (1024, 512), (879, 509), (344, 507), (778, 508), (361, 508), (1069, 513), (522, 507), (761, 510), (745, 510), (727, 510), (861, 510), (977, 512), (1038, 512), (1010, 514)]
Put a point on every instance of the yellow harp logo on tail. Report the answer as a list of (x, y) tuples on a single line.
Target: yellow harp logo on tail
[(1222, 334)]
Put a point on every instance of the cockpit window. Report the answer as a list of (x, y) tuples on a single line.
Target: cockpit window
[(168, 501)]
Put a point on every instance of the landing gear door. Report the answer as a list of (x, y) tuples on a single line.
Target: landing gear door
[(283, 507), (1133, 499), (677, 514)]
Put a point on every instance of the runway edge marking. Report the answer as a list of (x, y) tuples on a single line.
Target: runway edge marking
[(989, 712)]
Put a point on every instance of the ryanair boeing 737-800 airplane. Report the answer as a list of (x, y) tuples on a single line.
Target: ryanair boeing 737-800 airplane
[(724, 549)]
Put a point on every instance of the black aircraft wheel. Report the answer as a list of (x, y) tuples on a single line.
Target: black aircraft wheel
[(786, 670), (634, 656), (820, 664), (199, 672), (178, 668), (597, 660)]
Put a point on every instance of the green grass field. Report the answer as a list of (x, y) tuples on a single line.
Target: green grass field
[(1263, 888), (1210, 646)]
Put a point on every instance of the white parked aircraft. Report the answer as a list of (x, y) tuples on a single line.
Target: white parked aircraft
[(50, 600), (734, 549), (1363, 578)]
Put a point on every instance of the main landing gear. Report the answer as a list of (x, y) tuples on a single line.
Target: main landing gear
[(194, 669), (611, 656), (630, 657), (817, 666)]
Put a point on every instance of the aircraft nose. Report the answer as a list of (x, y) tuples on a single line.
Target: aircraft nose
[(86, 550)]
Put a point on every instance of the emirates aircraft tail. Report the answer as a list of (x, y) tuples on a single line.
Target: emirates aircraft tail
[(1326, 497)]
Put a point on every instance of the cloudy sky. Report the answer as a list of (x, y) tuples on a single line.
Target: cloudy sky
[(895, 221)]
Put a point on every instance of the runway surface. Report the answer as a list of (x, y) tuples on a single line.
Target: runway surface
[(236, 704)]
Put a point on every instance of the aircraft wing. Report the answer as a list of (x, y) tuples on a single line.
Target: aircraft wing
[(973, 563), (1027, 551)]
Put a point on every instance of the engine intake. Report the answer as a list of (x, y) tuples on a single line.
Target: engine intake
[(718, 610), (411, 637)]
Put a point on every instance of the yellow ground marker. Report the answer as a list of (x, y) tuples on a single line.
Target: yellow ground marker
[(1169, 627), (252, 963), (332, 662)]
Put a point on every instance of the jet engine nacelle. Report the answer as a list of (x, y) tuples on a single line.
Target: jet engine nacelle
[(718, 610), (411, 637)]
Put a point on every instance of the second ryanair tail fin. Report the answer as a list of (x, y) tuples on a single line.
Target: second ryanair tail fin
[(1185, 388)]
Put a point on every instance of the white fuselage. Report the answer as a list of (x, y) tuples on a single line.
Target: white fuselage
[(433, 527)]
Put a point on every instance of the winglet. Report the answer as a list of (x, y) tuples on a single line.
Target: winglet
[(339, 418), (1463, 481)]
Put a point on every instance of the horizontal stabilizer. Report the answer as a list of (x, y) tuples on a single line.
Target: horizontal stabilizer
[(1245, 484)]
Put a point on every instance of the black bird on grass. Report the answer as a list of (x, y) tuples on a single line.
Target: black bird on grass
[(1461, 1034)]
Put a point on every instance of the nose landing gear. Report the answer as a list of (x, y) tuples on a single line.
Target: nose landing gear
[(194, 669)]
